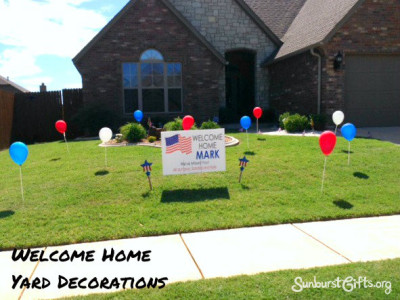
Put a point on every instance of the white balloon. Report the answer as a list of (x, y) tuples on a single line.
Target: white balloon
[(105, 134), (338, 117)]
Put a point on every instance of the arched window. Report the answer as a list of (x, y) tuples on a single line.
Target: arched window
[(151, 55), (152, 85)]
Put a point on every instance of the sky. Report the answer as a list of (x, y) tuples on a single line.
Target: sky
[(39, 38)]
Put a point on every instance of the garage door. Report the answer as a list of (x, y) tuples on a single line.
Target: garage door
[(372, 90)]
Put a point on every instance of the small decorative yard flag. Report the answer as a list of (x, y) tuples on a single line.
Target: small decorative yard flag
[(147, 168), (179, 143), (242, 165)]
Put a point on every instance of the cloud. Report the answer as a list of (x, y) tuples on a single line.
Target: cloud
[(32, 83), (18, 62), (46, 27)]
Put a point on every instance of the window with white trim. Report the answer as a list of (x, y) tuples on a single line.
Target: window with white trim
[(152, 85)]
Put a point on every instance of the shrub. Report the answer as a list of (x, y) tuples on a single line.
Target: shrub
[(91, 118), (319, 122), (296, 123), (152, 139), (209, 125), (176, 125), (133, 132), (282, 117)]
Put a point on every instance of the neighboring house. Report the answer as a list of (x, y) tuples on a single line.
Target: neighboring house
[(9, 86), (176, 57)]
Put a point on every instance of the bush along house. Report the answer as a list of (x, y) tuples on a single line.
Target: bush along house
[(205, 58)]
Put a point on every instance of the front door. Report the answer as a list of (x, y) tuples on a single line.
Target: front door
[(240, 82)]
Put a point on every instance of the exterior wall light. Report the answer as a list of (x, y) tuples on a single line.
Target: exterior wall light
[(337, 63)]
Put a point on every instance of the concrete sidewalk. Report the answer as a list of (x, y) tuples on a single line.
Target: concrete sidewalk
[(221, 253)]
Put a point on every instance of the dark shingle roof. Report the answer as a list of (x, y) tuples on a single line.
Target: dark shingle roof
[(315, 24), (6, 82), (278, 15)]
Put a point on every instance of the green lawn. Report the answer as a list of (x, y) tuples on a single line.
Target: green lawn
[(278, 285), (70, 199)]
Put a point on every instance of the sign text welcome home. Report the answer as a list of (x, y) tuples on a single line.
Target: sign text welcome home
[(193, 151)]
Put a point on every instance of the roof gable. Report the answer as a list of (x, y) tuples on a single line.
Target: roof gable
[(128, 6)]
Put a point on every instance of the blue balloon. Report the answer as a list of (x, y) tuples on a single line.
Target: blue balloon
[(138, 115), (19, 153), (245, 122), (349, 131)]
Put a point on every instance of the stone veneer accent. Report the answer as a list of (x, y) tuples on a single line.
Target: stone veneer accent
[(228, 27), (374, 28)]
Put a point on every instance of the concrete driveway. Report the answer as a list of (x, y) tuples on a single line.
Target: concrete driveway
[(390, 134)]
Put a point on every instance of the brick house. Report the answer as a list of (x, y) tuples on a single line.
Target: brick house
[(177, 57)]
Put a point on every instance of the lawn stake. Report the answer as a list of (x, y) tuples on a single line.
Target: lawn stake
[(22, 187), (348, 161), (327, 142), (247, 134), (349, 132), (65, 139), (147, 168), (257, 126), (242, 165), (105, 155), (19, 153), (323, 175)]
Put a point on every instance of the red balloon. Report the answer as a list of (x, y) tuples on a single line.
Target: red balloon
[(257, 112), (61, 126), (187, 122), (327, 142)]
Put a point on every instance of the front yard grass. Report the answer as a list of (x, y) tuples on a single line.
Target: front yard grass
[(73, 198), (278, 285)]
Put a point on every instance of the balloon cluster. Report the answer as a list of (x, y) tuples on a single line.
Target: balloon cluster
[(245, 121)]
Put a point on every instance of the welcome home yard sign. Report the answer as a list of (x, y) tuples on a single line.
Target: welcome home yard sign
[(193, 151)]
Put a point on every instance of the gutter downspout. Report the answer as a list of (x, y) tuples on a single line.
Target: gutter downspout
[(319, 78)]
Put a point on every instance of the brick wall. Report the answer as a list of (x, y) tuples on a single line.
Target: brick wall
[(294, 84), (149, 24)]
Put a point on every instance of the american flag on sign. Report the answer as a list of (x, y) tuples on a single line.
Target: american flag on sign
[(179, 143)]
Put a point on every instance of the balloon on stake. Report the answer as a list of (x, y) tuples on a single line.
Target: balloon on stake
[(242, 164), (61, 127), (187, 122), (327, 142), (245, 122), (147, 168), (19, 153), (138, 115), (105, 135), (349, 132), (338, 118), (257, 112)]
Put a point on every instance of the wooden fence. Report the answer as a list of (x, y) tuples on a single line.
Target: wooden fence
[(6, 118), (35, 114)]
